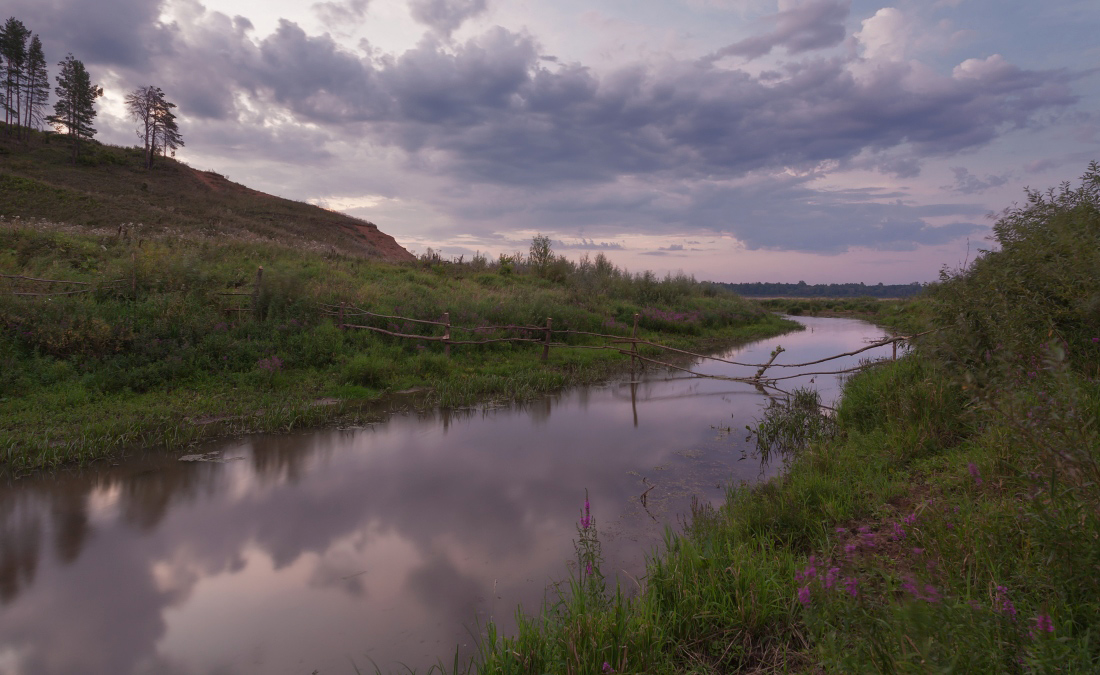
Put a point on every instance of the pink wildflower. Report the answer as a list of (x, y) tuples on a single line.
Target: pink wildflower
[(1043, 624), (804, 595), (851, 584)]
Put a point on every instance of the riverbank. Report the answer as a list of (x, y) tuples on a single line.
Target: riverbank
[(173, 342), (948, 521)]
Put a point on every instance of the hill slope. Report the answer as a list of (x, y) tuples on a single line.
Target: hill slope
[(109, 188)]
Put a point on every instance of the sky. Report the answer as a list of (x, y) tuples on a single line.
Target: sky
[(735, 140)]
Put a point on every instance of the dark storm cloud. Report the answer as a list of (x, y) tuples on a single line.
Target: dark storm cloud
[(445, 16), (814, 25), (104, 32)]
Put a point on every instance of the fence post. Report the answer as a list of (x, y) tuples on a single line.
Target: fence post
[(895, 345), (256, 293), (633, 345), (546, 343), (447, 334)]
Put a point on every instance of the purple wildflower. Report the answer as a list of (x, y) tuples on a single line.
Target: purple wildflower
[(841, 530), (850, 549), (830, 576), (899, 532), (607, 667), (931, 594), (804, 595), (1043, 624), (810, 572), (588, 568), (974, 473), (586, 519), (910, 519), (851, 584), (1003, 605), (917, 551)]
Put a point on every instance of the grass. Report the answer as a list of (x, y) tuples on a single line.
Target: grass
[(109, 188), (154, 359), (947, 519)]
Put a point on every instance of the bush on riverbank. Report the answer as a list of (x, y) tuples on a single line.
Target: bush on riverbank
[(154, 358), (952, 524)]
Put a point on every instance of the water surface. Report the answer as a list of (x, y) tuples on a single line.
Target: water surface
[(386, 545)]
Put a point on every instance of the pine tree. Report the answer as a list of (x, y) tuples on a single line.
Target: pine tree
[(157, 123), (75, 106), (13, 50), (167, 136), (37, 86), (141, 104)]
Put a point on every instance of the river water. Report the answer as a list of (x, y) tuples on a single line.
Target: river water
[(369, 547)]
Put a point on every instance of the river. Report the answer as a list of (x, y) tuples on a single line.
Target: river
[(327, 551)]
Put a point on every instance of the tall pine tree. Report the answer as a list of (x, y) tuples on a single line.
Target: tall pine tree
[(37, 84), (74, 109), (13, 51)]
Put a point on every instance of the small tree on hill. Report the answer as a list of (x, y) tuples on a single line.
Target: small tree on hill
[(542, 253), (157, 123), (74, 109)]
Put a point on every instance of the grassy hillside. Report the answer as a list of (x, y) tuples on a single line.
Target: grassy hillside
[(109, 188), (946, 520)]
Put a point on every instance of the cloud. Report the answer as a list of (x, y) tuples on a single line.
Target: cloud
[(969, 184), (816, 24), (490, 135), (338, 15), (445, 16), (885, 36), (588, 245)]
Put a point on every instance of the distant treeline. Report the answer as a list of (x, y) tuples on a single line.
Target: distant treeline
[(804, 290)]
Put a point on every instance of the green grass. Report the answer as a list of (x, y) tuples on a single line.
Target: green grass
[(154, 359), (948, 522)]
